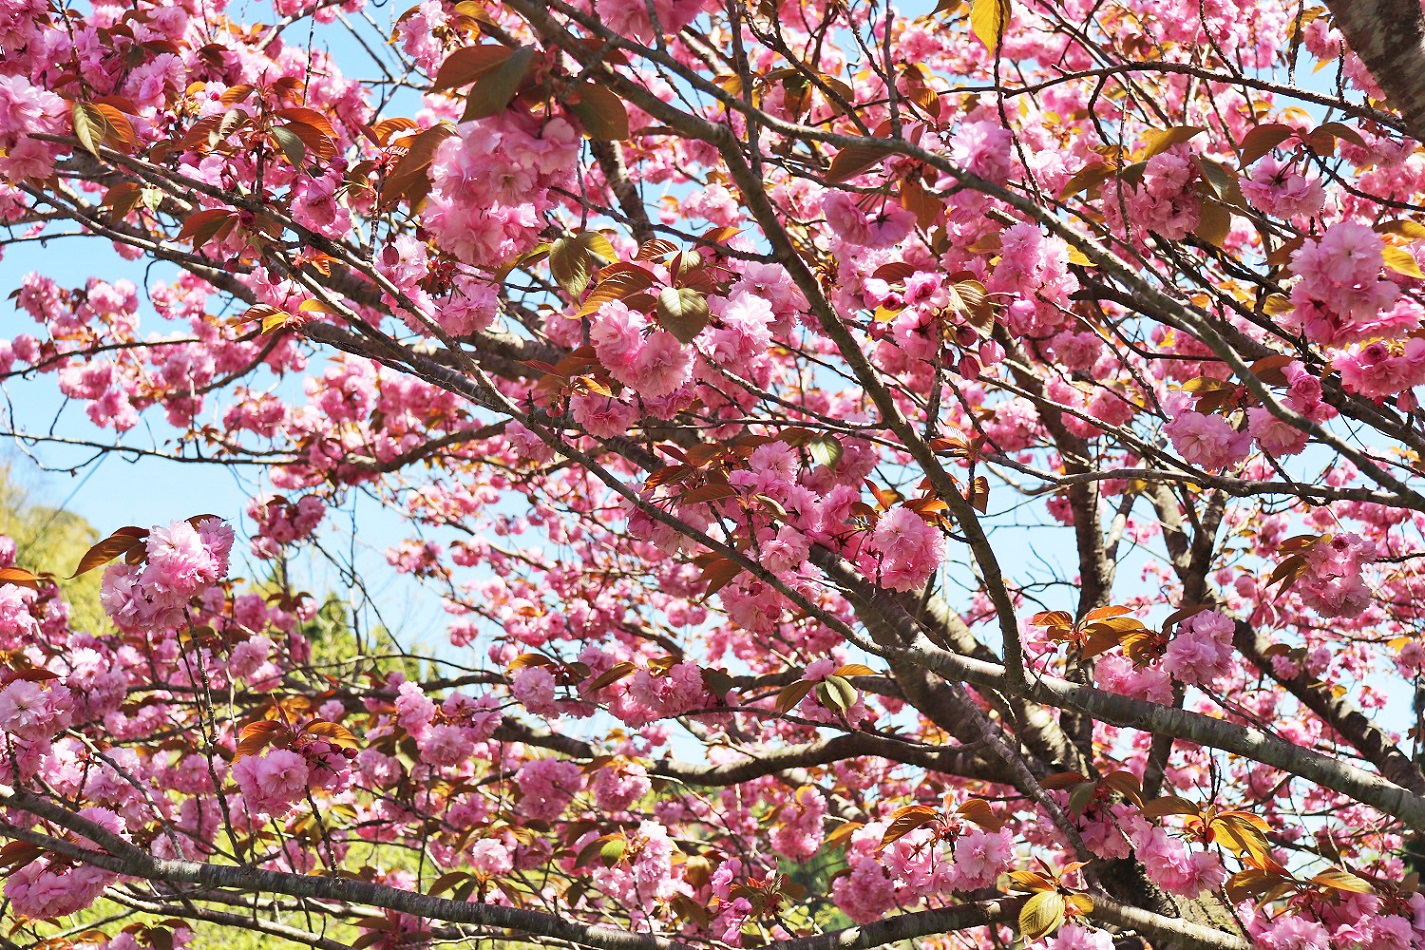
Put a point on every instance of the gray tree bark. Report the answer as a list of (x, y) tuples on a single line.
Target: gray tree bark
[(1389, 37)]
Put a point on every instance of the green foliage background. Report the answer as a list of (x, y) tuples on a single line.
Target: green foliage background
[(52, 540)]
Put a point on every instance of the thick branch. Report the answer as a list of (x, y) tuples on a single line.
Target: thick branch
[(1389, 37), (1337, 712)]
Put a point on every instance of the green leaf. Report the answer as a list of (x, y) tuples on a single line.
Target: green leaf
[(683, 312), (826, 450), (90, 127), (1041, 915), (495, 90), (571, 265), (1221, 179), (836, 692), (291, 144), (613, 851), (971, 298), (1081, 797)]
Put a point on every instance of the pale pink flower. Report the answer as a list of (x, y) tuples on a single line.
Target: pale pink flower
[(491, 857), (617, 334), (533, 687), (29, 710), (911, 550), (980, 857), (658, 368)]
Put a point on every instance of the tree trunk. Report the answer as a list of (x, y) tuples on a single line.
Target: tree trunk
[(1389, 36)]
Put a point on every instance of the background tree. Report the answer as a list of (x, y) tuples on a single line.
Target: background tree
[(41, 536), (977, 451)]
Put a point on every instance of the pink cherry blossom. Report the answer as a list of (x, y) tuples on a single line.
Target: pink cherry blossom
[(910, 549), (547, 786), (273, 782), (1201, 651), (885, 227), (1207, 441)]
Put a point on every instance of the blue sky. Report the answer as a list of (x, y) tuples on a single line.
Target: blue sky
[(120, 489)]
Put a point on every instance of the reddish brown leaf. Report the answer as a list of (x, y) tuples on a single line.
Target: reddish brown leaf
[(601, 112), (496, 89), (410, 179), (19, 577), (852, 161), (907, 819), (792, 694), (121, 543), (609, 676), (979, 811), (256, 736), (467, 64), (335, 733), (1262, 140), (202, 226), (708, 493)]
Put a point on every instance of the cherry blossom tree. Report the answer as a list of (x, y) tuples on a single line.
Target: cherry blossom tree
[(944, 475)]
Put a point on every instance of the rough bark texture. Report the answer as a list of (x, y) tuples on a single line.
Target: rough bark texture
[(1389, 37)]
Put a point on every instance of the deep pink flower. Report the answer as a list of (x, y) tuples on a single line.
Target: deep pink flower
[(886, 228), (911, 550), (1201, 651), (547, 786), (272, 783)]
